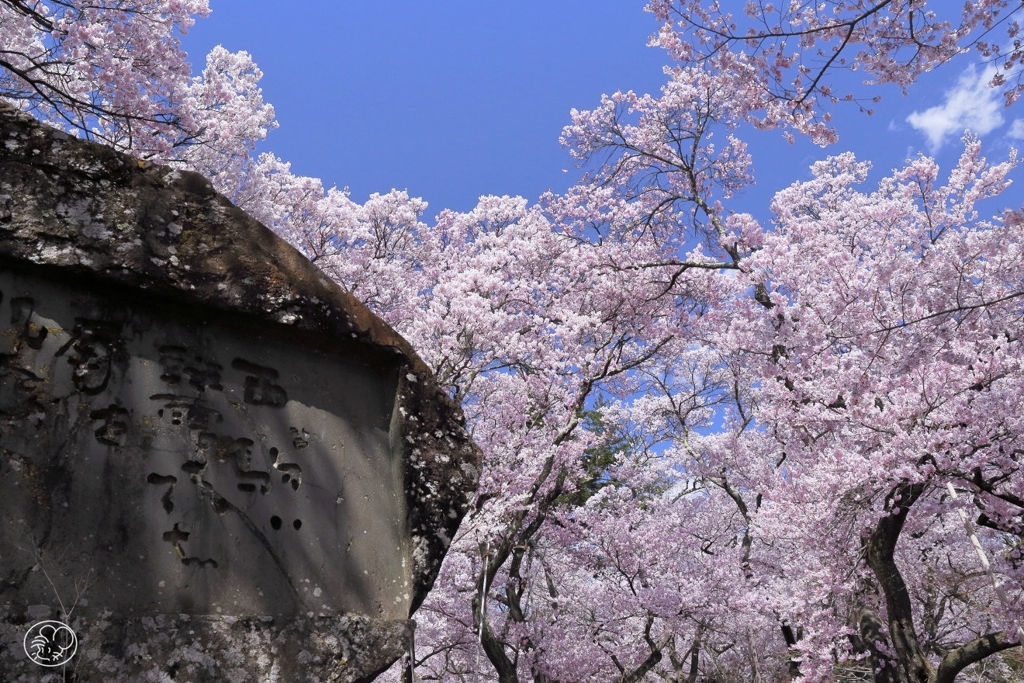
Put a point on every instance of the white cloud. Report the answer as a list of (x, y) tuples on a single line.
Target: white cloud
[(970, 104), (1017, 129)]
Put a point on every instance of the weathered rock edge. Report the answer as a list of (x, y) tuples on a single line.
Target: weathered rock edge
[(88, 212), (198, 648)]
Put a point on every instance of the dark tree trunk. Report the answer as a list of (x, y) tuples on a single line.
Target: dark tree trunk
[(791, 642), (912, 665), (495, 652), (872, 632), (969, 653)]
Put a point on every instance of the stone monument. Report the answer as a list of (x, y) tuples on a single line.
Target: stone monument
[(216, 465)]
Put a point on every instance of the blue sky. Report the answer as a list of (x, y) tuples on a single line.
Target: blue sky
[(451, 100)]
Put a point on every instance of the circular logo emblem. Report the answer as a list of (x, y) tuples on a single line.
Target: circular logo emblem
[(50, 643)]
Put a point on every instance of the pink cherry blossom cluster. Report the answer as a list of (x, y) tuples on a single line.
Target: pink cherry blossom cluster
[(787, 56), (114, 71)]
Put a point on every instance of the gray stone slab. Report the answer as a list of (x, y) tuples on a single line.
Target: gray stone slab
[(172, 464), (210, 454)]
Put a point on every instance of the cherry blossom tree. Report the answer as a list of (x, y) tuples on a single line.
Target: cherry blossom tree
[(114, 71), (922, 275), (787, 55), (875, 377), (653, 156)]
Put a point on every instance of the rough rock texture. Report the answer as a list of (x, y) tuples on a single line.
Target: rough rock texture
[(183, 647), (216, 464)]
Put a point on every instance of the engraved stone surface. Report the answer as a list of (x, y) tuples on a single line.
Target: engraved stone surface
[(240, 475), (214, 463)]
